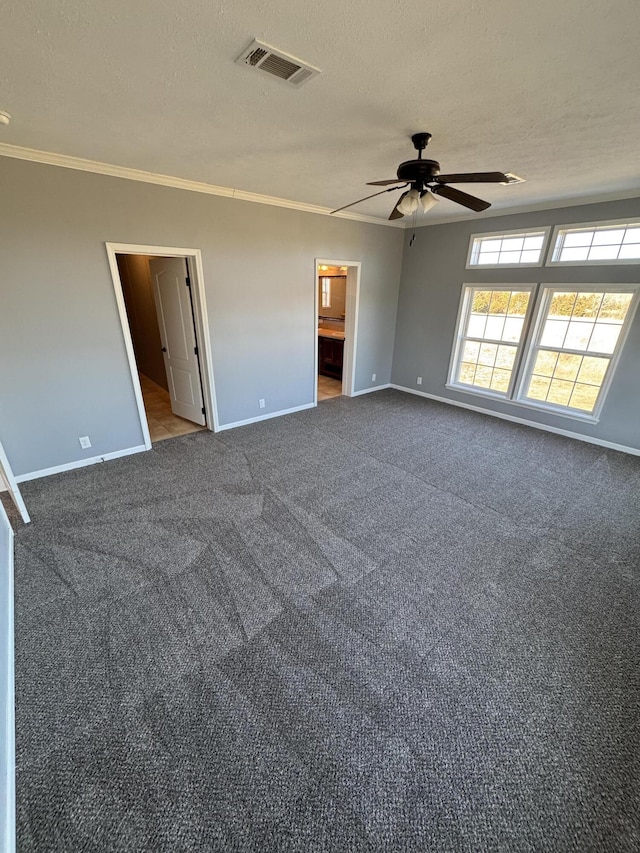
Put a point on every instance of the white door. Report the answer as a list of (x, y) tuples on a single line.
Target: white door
[(172, 293), (9, 481)]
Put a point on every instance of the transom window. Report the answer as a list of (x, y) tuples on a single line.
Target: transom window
[(556, 351), (511, 249), (610, 243)]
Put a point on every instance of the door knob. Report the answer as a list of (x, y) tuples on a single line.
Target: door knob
[(164, 349)]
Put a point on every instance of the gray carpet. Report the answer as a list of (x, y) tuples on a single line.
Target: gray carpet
[(385, 624)]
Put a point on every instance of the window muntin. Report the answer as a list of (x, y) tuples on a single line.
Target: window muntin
[(597, 243), (490, 334), (524, 248), (578, 334)]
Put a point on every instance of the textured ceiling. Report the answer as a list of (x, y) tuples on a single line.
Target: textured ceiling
[(548, 90)]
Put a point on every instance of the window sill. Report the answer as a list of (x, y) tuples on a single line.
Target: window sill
[(549, 410)]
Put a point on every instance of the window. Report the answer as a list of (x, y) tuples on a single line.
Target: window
[(611, 242), (577, 336), (557, 351), (325, 284), (512, 249), (490, 334)]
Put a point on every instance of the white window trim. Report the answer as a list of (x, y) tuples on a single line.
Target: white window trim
[(586, 226), (545, 230), (463, 314), (532, 329)]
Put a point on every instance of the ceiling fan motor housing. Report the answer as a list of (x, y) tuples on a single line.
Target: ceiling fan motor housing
[(414, 171)]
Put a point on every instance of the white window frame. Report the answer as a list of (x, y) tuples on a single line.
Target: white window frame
[(464, 310), (325, 291), (590, 226), (533, 344), (545, 230), (541, 295)]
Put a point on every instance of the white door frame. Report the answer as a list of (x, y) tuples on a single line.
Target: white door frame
[(201, 317), (8, 480), (354, 269)]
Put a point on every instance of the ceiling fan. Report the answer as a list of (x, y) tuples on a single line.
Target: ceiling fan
[(426, 184)]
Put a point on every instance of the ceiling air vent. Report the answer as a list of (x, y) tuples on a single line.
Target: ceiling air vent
[(278, 64)]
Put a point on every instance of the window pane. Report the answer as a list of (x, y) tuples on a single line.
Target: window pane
[(494, 328), (488, 354), (467, 372), (559, 392), (574, 254), (490, 245), (507, 249), (603, 253), (518, 303), (509, 258), (512, 329), (592, 370), (537, 241), (567, 366), (512, 244), (489, 258), (505, 357), (562, 304), (481, 301), (500, 380), (538, 388), (608, 237), (584, 397), (615, 306), (545, 363), (530, 257), (499, 301), (483, 377), (587, 304), (578, 334), (604, 337), (632, 235), (578, 238), (554, 333), (630, 250), (477, 323), (471, 351)]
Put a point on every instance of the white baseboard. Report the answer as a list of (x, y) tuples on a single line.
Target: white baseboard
[(370, 390), (634, 451), (266, 417), (80, 463)]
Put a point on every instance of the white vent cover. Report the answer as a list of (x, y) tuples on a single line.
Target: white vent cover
[(278, 64)]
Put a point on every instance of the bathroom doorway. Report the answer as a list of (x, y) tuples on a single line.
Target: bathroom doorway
[(337, 287)]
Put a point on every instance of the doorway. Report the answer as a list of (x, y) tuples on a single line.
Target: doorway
[(337, 288), (161, 305)]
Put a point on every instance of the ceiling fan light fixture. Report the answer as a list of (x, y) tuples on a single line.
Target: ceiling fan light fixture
[(409, 202), (428, 200)]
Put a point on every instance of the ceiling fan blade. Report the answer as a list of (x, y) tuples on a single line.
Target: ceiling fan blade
[(373, 195), (395, 213), (464, 199), (473, 178), (351, 204), (384, 183)]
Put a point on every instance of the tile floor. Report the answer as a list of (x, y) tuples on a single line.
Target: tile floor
[(328, 388), (162, 422)]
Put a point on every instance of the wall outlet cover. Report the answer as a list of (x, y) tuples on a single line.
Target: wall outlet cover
[(419, 380), (85, 442), (373, 377), (261, 403)]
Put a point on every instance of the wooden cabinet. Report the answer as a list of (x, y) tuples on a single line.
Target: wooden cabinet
[(330, 355)]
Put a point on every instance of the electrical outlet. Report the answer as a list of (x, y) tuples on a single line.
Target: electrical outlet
[(419, 380), (261, 403), (85, 442), (373, 377)]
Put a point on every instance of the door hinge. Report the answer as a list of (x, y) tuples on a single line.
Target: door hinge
[(195, 349), (203, 411), (188, 281)]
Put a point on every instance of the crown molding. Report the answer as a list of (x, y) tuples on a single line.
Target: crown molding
[(49, 158)]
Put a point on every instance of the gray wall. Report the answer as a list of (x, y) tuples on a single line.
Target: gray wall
[(432, 276), (63, 368), (7, 759), (137, 290)]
